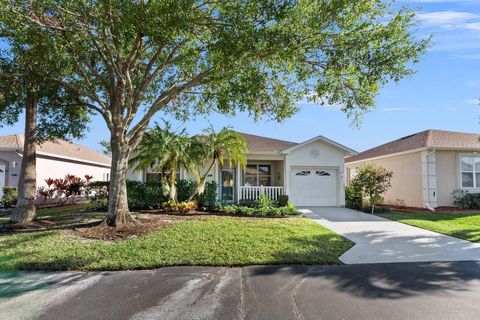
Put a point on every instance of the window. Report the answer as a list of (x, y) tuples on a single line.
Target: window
[(157, 176), (470, 171), (153, 177), (106, 176), (302, 173), (258, 175), (322, 173)]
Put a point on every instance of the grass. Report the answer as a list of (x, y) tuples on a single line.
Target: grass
[(215, 241), (461, 225)]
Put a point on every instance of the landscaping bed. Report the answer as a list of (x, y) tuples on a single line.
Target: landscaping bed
[(166, 240)]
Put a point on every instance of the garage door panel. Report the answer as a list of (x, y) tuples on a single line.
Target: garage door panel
[(313, 187)]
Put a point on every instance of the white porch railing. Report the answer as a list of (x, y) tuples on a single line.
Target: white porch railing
[(252, 193)]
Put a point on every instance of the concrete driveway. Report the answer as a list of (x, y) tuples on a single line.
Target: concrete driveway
[(426, 291), (379, 240)]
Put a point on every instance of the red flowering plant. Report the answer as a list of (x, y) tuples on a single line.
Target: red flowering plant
[(64, 189)]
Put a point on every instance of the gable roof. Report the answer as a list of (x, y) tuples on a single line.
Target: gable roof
[(323, 139), (258, 144), (431, 138), (59, 148)]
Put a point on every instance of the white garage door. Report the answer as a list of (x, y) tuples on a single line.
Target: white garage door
[(313, 187)]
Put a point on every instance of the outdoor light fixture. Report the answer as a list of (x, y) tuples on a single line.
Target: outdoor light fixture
[(14, 164)]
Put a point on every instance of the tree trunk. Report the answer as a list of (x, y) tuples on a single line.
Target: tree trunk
[(173, 188), (27, 185), (201, 180), (118, 212)]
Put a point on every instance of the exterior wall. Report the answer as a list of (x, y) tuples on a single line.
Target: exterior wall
[(407, 187), (12, 173), (318, 154), (448, 169), (48, 167)]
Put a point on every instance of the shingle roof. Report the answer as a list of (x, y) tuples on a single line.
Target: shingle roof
[(263, 144), (424, 139), (58, 147)]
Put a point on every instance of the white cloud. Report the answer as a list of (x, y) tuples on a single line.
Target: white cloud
[(472, 101), (448, 19), (467, 56), (396, 109), (472, 26)]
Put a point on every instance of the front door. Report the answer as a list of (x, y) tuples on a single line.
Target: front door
[(2, 179), (228, 185)]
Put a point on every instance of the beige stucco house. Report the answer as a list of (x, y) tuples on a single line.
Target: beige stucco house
[(427, 166), (311, 173), (55, 159)]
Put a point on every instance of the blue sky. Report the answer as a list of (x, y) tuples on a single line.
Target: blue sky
[(443, 94)]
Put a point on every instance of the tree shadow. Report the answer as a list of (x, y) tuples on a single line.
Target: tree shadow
[(16, 283), (381, 280)]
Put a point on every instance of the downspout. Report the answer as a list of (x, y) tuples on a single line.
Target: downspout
[(429, 207)]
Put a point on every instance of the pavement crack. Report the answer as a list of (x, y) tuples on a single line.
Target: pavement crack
[(242, 295), (296, 309)]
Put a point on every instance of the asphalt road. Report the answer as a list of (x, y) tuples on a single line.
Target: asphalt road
[(435, 290)]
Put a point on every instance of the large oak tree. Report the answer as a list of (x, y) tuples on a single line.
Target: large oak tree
[(132, 59)]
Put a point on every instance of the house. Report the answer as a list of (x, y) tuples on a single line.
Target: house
[(427, 167), (55, 159), (310, 173)]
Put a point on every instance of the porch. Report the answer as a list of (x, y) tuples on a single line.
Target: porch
[(260, 177)]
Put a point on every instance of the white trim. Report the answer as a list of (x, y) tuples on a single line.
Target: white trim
[(459, 171), (385, 156), (323, 139)]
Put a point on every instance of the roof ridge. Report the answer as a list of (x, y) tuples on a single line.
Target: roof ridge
[(19, 138), (428, 138), (256, 135)]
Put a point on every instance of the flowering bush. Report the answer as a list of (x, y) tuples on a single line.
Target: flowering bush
[(182, 207), (64, 189)]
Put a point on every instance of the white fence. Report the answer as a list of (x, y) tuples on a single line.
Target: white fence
[(252, 193)]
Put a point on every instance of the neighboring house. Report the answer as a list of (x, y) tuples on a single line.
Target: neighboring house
[(55, 159), (427, 166), (310, 173)]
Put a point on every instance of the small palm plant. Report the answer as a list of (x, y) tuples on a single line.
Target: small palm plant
[(211, 147), (164, 150)]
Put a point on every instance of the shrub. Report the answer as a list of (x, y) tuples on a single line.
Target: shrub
[(64, 189), (185, 188), (209, 196), (259, 211), (265, 202), (10, 196), (353, 198), (181, 207), (372, 181), (98, 193), (283, 200), (144, 195), (466, 200)]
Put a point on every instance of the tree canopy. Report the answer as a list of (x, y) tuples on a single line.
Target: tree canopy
[(129, 60)]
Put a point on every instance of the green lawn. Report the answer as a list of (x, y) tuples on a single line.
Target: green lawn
[(220, 241), (461, 225)]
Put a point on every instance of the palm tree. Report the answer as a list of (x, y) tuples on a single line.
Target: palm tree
[(164, 150), (212, 146)]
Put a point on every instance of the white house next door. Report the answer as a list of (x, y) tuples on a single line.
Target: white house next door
[(2, 178), (313, 187)]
